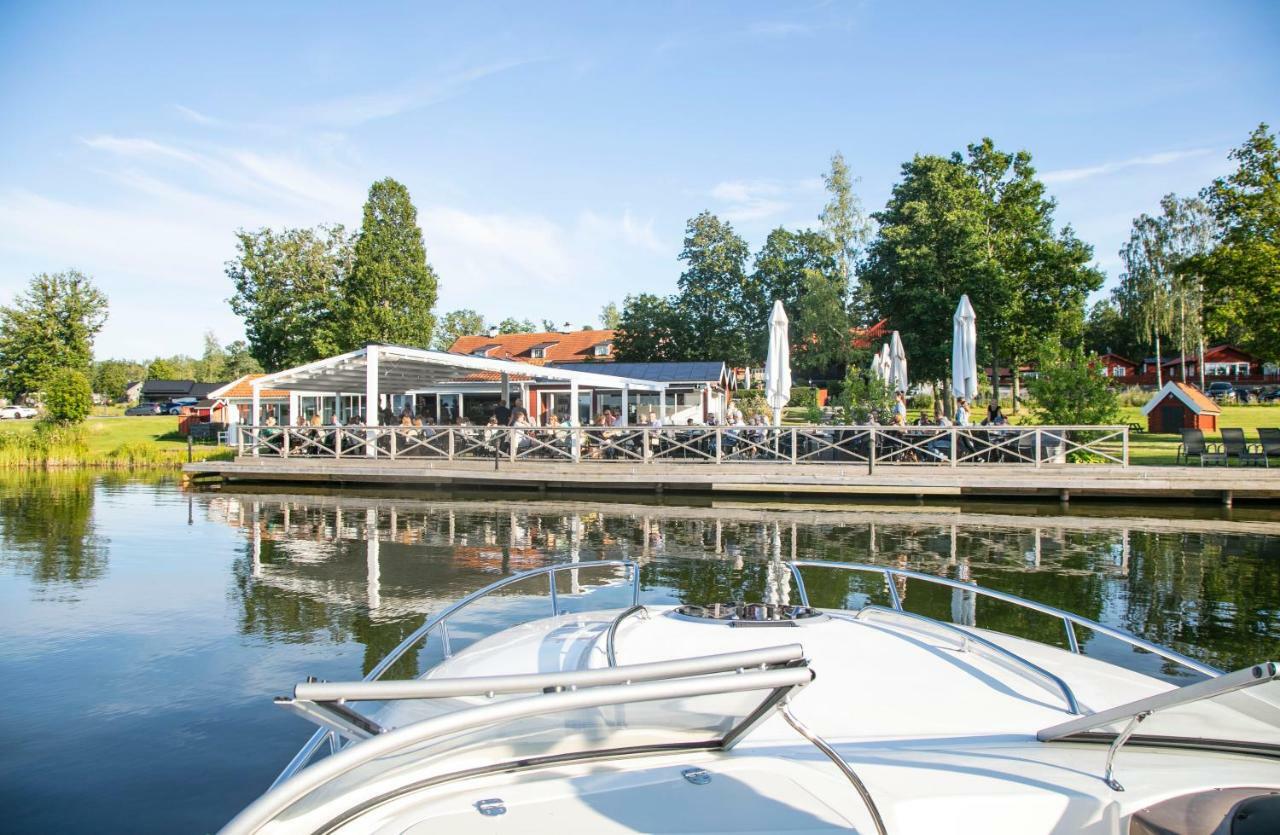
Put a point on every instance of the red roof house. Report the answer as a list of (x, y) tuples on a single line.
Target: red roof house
[(1179, 406)]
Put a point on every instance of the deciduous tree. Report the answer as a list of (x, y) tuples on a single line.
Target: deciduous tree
[(717, 300), (455, 324), (50, 326), (848, 228), (287, 289), (650, 330), (1242, 271), (513, 325), (610, 317)]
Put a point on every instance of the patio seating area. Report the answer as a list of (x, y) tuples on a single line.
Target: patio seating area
[(1234, 447)]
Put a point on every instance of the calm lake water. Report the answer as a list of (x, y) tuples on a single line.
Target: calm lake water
[(144, 630)]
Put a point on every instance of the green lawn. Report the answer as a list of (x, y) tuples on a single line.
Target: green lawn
[(1162, 449), (106, 434)]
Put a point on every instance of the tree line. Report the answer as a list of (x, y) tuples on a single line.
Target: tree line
[(1204, 269)]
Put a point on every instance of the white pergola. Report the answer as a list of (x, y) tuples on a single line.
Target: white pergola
[(377, 370)]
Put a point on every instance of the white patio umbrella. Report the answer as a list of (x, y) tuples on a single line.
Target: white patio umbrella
[(897, 363), (880, 364), (877, 367), (964, 351), (777, 366)]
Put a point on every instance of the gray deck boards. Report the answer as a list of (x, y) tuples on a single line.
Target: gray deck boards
[(1214, 483)]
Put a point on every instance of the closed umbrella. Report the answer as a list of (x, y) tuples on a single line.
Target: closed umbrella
[(777, 366), (964, 351), (897, 363), (877, 367)]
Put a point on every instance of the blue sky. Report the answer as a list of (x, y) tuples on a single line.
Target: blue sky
[(555, 151)]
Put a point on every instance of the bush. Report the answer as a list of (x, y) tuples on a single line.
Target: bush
[(803, 397), (68, 397), (1069, 390), (861, 398), (750, 401)]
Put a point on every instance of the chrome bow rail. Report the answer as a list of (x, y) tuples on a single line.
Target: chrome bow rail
[(440, 622), (1069, 620)]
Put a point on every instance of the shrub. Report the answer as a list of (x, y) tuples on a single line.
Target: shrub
[(68, 397), (1069, 389), (813, 414), (861, 398), (750, 401), (803, 397)]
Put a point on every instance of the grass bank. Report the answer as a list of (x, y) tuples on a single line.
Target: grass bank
[(101, 442)]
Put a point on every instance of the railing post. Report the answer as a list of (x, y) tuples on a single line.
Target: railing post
[(793, 445), (719, 440), (1037, 446), (1124, 455), (645, 439), (391, 445), (511, 442), (871, 450), (257, 440), (240, 443), (284, 443), (451, 447), (955, 443), (555, 602), (575, 441), (337, 442)]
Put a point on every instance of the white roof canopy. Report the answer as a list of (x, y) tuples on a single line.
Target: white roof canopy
[(401, 369)]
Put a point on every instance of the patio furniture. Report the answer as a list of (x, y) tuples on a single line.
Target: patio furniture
[(1193, 443), (1235, 446), (1270, 439)]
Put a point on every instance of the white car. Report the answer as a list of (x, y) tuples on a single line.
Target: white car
[(16, 412)]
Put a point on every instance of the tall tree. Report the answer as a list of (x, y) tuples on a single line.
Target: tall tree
[(847, 226), (287, 287), (930, 249), (162, 368), (1148, 282), (455, 324), (717, 300), (111, 378), (1189, 230), (650, 330), (1039, 278), (610, 318), (391, 289), (1106, 331), (801, 269), (1242, 272), (50, 326)]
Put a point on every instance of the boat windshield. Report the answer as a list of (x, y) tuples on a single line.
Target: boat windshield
[(1236, 711), (709, 703)]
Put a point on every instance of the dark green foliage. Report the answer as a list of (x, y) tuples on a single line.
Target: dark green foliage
[(751, 401), (1242, 272), (171, 368), (48, 327), (511, 325), (651, 330), (721, 307), (1069, 388), (455, 324), (110, 378), (287, 289), (391, 289), (1107, 331), (801, 269), (68, 397), (803, 397), (219, 365), (610, 318), (862, 398)]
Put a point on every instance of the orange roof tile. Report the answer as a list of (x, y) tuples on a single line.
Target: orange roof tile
[(241, 389), (575, 346), (1197, 397)]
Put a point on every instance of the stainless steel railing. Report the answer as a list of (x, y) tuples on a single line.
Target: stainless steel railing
[(440, 622), (937, 446), (1069, 620)]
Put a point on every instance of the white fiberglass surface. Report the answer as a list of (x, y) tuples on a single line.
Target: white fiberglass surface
[(698, 721)]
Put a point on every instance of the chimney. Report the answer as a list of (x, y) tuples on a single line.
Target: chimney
[(567, 328), (493, 331)]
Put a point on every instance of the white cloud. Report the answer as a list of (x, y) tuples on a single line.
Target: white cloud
[(196, 116), (747, 200), (1071, 175), (356, 109)]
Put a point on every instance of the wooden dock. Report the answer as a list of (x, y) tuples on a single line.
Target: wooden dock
[(1062, 482)]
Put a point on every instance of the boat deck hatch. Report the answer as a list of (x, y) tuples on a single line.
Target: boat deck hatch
[(739, 613)]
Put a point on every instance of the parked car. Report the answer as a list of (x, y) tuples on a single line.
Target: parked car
[(1271, 395), (176, 406), (1222, 391), (17, 413), (145, 409)]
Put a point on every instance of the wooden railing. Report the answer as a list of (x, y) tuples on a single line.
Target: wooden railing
[(946, 446)]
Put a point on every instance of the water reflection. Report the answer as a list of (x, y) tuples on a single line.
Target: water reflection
[(368, 568), (47, 530)]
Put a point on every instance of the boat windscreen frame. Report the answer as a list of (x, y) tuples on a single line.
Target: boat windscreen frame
[(776, 683)]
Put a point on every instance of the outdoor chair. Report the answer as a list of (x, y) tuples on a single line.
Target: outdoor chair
[(1234, 446), (1193, 443), (1270, 439)]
